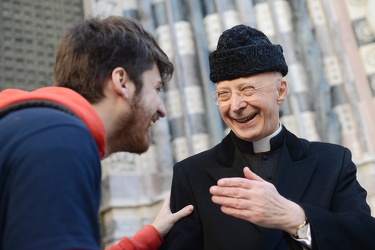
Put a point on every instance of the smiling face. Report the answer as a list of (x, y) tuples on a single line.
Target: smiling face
[(256, 116), (132, 130)]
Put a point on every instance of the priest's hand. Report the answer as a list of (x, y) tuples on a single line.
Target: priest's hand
[(257, 201)]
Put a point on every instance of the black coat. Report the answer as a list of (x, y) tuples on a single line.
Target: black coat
[(321, 177)]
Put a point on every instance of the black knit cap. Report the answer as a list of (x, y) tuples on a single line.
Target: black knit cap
[(243, 51)]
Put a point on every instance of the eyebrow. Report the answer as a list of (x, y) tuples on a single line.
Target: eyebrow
[(241, 85), (253, 84)]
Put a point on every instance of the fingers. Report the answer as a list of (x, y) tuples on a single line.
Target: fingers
[(228, 191), (165, 209), (165, 219), (236, 212), (240, 182), (182, 213), (231, 202), (251, 175), (166, 203), (233, 182)]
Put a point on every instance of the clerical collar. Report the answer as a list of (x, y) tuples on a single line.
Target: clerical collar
[(266, 144)]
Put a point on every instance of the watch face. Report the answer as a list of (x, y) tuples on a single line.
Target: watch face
[(302, 232)]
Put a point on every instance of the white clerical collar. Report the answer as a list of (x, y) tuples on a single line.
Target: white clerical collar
[(264, 145)]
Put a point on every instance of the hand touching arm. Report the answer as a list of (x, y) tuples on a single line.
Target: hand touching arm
[(150, 237), (165, 219)]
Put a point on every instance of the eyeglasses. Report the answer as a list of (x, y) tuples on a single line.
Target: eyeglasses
[(221, 96)]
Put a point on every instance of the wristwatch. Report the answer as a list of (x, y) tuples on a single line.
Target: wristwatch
[(301, 230)]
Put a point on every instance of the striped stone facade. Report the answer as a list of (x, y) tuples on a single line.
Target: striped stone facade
[(329, 47)]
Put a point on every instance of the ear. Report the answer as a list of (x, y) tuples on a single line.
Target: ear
[(119, 80), (282, 91)]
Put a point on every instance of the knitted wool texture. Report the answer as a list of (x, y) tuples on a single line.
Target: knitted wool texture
[(243, 51)]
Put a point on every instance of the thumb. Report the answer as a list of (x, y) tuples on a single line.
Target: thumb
[(251, 175), (182, 213)]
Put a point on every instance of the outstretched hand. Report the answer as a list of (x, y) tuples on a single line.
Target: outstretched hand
[(165, 219), (257, 201)]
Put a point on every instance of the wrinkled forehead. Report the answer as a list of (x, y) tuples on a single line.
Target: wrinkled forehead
[(256, 80)]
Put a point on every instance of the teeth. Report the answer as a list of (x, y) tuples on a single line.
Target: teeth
[(246, 119), (243, 121), (151, 123)]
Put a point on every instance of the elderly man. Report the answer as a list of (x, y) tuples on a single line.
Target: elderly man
[(262, 187)]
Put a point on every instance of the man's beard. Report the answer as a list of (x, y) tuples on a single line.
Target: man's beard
[(130, 134)]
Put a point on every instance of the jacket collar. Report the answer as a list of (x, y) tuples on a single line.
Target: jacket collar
[(274, 141), (296, 149)]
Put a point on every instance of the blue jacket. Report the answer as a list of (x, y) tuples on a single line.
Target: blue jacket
[(50, 172)]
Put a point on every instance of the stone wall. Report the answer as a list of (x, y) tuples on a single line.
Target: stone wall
[(30, 32)]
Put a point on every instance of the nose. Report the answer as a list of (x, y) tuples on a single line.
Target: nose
[(162, 112), (236, 102)]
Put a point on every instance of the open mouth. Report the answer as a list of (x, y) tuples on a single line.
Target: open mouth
[(244, 120), (152, 122)]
